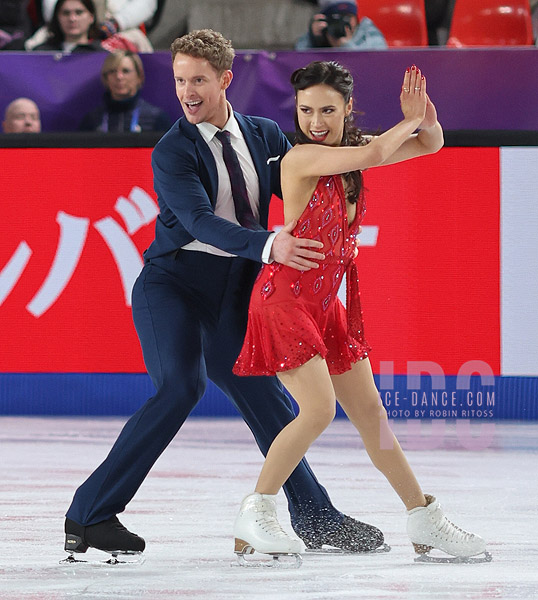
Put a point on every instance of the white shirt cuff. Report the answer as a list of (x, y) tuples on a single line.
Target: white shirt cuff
[(266, 254)]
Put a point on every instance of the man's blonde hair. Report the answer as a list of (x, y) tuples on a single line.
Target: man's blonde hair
[(208, 44)]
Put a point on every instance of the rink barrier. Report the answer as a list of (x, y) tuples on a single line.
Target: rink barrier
[(464, 138), (119, 394), (69, 86)]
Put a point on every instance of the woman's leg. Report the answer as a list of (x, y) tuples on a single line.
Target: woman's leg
[(427, 525), (357, 394), (311, 386)]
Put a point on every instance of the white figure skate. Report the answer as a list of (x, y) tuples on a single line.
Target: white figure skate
[(257, 529), (428, 529)]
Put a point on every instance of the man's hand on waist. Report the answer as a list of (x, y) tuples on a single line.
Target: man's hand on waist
[(298, 253)]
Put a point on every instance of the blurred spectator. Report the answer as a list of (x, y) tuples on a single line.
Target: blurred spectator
[(72, 28), (118, 22), (337, 26), (123, 109), (15, 24), (534, 17), (22, 116), (438, 17)]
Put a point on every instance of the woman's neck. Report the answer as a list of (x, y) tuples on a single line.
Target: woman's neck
[(77, 39)]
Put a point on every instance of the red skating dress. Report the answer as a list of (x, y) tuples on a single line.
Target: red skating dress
[(295, 315)]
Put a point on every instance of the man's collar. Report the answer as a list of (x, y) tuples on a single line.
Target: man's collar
[(208, 130)]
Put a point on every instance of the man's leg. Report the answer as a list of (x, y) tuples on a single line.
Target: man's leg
[(170, 334), (266, 409)]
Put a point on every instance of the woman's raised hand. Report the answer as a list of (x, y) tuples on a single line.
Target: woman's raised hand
[(413, 97), (430, 119)]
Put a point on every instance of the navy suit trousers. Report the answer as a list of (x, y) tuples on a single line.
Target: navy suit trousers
[(190, 313)]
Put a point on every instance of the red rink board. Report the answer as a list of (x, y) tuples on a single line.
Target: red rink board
[(89, 328), (430, 286)]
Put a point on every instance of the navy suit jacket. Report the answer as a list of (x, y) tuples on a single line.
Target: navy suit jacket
[(185, 180)]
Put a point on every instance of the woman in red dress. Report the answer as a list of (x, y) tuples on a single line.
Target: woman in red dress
[(299, 329)]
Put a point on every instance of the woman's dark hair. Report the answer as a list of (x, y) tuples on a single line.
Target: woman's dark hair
[(340, 79), (57, 35)]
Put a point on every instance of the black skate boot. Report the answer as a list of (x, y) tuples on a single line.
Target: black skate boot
[(109, 536), (350, 536)]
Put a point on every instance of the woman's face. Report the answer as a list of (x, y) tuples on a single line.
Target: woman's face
[(321, 111), (123, 81), (75, 20)]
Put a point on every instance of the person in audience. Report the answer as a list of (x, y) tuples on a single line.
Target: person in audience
[(72, 28), (337, 26), (534, 19), (438, 17), (15, 24), (22, 116), (119, 23), (122, 108)]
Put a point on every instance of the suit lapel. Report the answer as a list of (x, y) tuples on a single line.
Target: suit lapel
[(259, 152), (206, 156)]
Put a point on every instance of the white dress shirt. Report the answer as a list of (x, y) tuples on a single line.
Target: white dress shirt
[(225, 206)]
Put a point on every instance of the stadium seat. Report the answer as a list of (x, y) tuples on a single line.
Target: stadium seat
[(402, 22), (491, 23)]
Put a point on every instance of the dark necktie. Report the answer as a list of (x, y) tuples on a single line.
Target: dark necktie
[(243, 211)]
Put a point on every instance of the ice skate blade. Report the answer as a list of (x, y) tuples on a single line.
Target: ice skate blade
[(332, 550), (458, 560), (279, 561), (134, 558)]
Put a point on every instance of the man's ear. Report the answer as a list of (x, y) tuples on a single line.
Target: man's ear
[(226, 79)]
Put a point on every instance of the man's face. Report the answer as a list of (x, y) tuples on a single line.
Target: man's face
[(22, 117), (201, 91)]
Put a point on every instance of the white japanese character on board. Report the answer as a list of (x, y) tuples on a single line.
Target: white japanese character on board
[(136, 211)]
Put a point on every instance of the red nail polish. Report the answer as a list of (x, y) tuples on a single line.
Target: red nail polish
[(407, 70), (423, 77)]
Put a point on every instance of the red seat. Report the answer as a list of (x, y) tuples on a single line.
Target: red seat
[(491, 23), (402, 22)]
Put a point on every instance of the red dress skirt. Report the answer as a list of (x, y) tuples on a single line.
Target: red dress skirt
[(295, 315)]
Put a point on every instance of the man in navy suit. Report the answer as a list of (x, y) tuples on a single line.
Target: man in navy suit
[(190, 305)]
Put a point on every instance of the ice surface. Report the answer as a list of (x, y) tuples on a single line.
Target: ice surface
[(186, 508)]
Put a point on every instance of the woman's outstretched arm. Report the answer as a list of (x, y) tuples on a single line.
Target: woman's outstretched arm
[(397, 144)]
